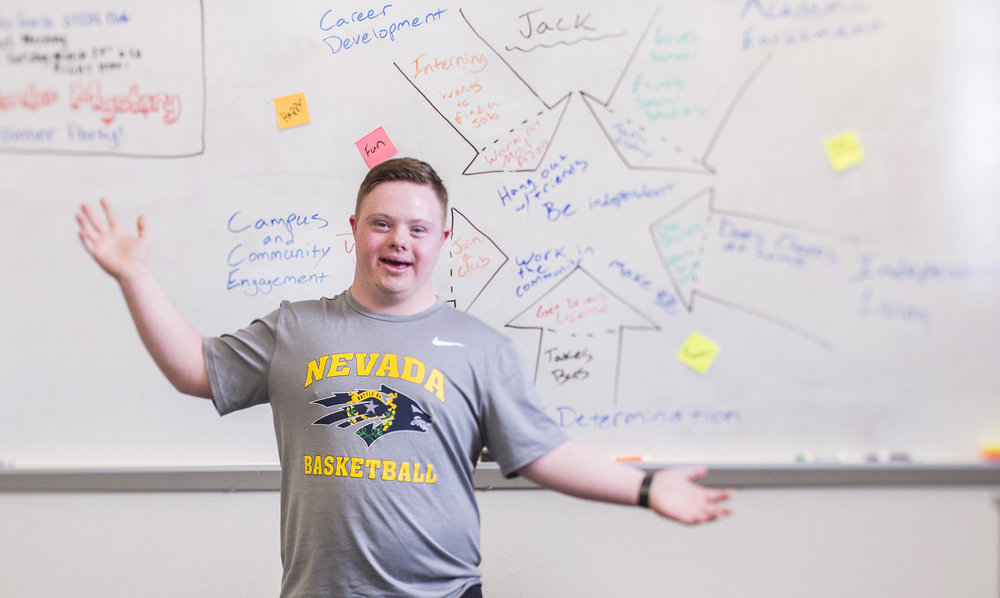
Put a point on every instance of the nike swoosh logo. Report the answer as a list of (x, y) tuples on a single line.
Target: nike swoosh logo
[(440, 343)]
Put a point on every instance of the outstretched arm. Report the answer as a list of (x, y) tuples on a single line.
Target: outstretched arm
[(572, 469), (171, 340)]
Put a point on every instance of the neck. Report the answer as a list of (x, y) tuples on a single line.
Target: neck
[(391, 305)]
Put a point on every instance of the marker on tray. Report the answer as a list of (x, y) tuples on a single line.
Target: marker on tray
[(629, 458), (889, 457), (840, 457)]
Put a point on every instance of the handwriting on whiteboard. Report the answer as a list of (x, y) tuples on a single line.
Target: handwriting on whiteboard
[(276, 251)]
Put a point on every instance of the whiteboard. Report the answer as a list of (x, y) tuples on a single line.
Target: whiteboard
[(725, 231)]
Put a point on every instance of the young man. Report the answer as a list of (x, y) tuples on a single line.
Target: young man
[(383, 399)]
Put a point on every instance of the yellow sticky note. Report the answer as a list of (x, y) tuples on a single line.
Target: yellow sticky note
[(291, 110), (698, 352), (844, 151)]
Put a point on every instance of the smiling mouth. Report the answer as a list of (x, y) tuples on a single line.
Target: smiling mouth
[(395, 264)]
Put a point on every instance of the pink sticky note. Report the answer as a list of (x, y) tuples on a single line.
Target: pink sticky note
[(376, 147)]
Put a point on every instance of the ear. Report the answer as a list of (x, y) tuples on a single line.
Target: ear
[(354, 224)]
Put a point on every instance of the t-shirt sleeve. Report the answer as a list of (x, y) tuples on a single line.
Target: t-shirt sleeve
[(238, 364), (517, 429)]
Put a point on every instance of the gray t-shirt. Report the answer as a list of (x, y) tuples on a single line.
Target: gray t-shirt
[(380, 420)]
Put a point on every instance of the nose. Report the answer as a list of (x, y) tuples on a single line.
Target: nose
[(398, 239)]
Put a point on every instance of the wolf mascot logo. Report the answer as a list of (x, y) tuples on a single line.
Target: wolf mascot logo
[(384, 410)]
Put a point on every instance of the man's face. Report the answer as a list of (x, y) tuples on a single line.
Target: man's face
[(398, 235)]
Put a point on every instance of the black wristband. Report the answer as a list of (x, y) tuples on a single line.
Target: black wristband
[(644, 489)]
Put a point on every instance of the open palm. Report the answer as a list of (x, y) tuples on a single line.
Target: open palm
[(117, 250), (676, 495)]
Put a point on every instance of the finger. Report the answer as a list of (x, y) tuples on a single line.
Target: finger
[(88, 219), (696, 472), (88, 244), (81, 222), (87, 236), (719, 495), (109, 213), (140, 225), (711, 514), (87, 230)]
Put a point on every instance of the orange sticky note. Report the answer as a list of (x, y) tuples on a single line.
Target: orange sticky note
[(991, 452), (844, 151), (698, 352), (376, 147), (291, 110)]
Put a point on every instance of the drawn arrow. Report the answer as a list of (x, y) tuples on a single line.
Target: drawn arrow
[(474, 260), (496, 112), (679, 237), (671, 102), (560, 49), (580, 324), (772, 255)]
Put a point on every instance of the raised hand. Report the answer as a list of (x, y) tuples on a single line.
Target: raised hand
[(173, 343), (119, 252), (675, 494)]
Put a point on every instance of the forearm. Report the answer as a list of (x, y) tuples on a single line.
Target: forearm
[(574, 470), (577, 471), (173, 343)]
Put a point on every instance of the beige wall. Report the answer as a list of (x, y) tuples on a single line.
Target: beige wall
[(877, 543)]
